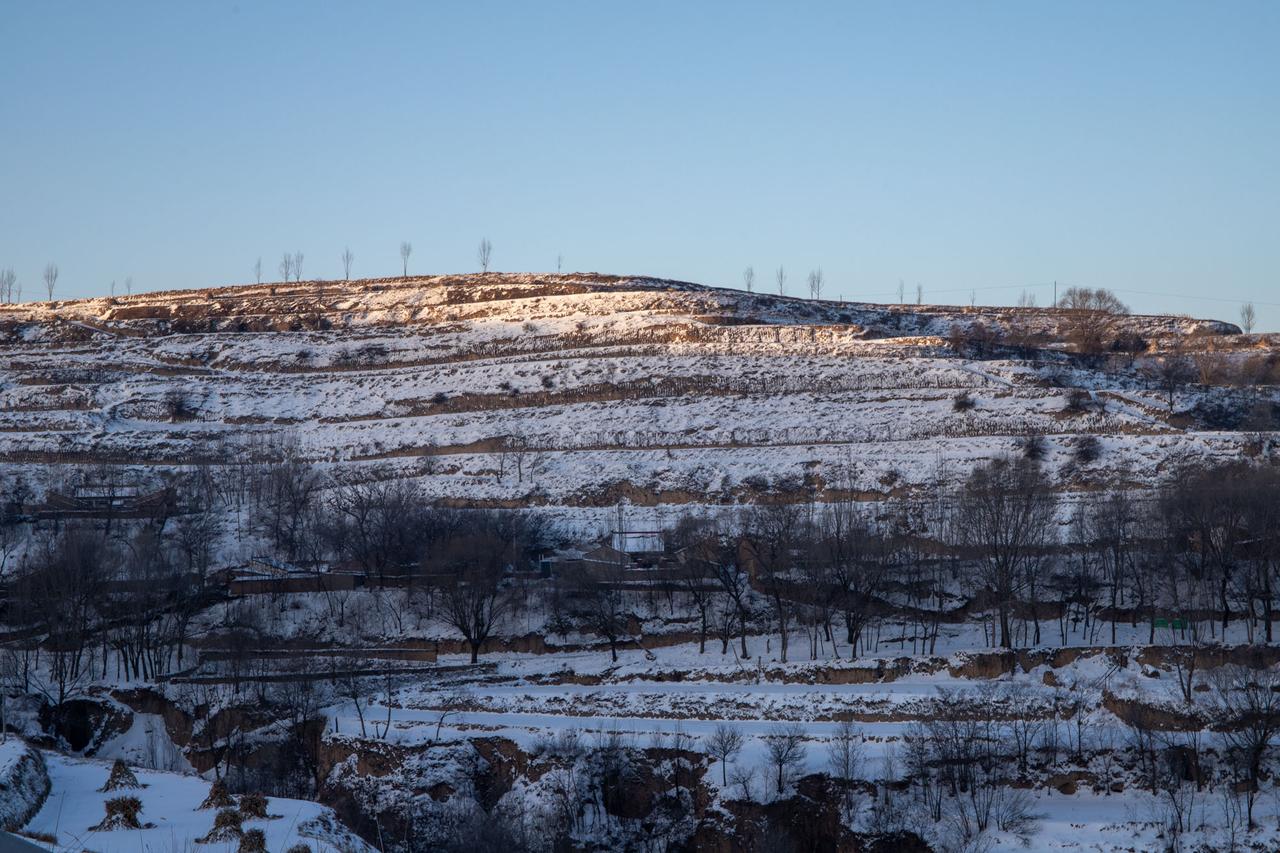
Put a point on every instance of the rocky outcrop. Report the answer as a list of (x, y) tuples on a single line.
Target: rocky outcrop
[(807, 820), (84, 725), (177, 722)]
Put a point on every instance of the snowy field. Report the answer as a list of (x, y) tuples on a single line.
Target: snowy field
[(171, 805)]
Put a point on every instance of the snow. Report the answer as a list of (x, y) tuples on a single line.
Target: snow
[(606, 381), (169, 801), (563, 394), (22, 782)]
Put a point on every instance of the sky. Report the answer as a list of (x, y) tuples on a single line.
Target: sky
[(976, 149)]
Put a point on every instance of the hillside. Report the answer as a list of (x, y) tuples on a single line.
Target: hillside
[(929, 577), (576, 392)]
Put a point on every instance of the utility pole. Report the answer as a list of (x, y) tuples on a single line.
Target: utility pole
[(1055, 293)]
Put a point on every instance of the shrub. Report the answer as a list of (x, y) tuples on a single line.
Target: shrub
[(253, 841), (1088, 449), (530, 327), (121, 777), (975, 340), (962, 402), (219, 797), (439, 398), (547, 381), (122, 813), (1078, 401), (178, 407), (1221, 414), (1129, 342), (1054, 377), (1034, 447), (298, 848)]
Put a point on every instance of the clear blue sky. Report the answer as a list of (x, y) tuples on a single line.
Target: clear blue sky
[(962, 145)]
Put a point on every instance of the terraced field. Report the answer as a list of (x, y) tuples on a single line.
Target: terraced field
[(572, 393)]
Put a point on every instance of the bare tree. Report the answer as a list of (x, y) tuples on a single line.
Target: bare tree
[(1006, 513), (844, 757), (1247, 317), (50, 278), (773, 537), (297, 266), (406, 249), (919, 293), (63, 593), (347, 258), (602, 603), (854, 564), (781, 277), (1089, 299), (559, 262), (286, 266), (698, 545), (383, 526), (749, 278), (9, 670), (723, 744), (1171, 371), (128, 285), (475, 603), (1092, 318), (736, 606), (476, 552), (1108, 528), (7, 281), (786, 753), (257, 270), (1248, 710), (815, 284), (483, 254)]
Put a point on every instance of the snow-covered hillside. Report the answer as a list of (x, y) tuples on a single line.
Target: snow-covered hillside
[(573, 392)]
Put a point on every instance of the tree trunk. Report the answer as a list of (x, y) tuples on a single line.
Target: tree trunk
[(782, 624), (1222, 595)]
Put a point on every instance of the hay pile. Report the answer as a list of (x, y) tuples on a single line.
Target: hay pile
[(122, 813), (253, 841), (121, 778), (219, 797), (226, 827), (254, 807)]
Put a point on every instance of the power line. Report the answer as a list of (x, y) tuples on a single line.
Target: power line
[(970, 289), (1201, 298), (1236, 301)]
